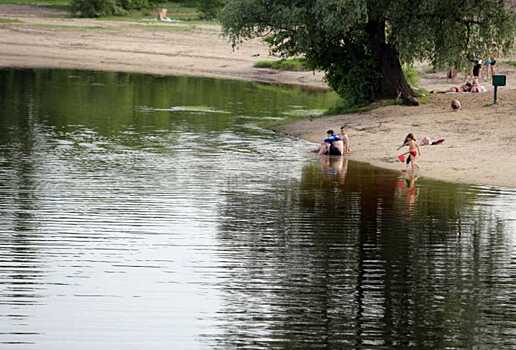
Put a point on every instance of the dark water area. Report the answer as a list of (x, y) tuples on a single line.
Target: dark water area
[(145, 212)]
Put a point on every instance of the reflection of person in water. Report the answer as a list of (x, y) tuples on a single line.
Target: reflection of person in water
[(335, 166), (407, 187)]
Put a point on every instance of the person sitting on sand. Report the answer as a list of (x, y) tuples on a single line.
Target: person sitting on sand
[(345, 140), (332, 145), (162, 15), (413, 151)]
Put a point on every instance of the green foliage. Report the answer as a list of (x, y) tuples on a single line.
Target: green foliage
[(103, 8), (46, 3), (360, 44), (355, 77), (183, 10), (8, 21), (344, 107), (411, 74), (95, 8), (133, 4), (511, 63), (291, 64), (209, 8)]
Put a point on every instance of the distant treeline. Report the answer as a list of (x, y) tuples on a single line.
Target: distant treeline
[(208, 9)]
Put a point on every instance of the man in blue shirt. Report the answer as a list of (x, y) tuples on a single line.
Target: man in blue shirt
[(333, 144)]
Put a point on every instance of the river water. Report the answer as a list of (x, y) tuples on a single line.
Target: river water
[(147, 212)]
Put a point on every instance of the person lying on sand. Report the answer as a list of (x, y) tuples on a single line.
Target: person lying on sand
[(467, 87), (427, 141), (463, 88)]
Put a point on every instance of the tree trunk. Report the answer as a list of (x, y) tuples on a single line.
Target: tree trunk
[(393, 83)]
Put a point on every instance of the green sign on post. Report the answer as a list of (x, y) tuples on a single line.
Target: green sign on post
[(498, 80)]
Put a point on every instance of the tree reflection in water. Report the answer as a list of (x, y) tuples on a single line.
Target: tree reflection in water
[(355, 261), (21, 274)]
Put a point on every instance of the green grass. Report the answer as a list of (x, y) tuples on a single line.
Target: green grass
[(511, 63), (344, 107), (68, 27), (45, 3), (412, 75), (169, 27), (291, 64), (422, 95), (8, 21)]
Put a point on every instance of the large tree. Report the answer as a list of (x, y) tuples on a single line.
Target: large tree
[(362, 44)]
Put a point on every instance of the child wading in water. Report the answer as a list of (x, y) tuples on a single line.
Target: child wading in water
[(413, 152)]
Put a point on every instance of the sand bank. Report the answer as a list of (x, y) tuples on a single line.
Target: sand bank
[(32, 37), (480, 140)]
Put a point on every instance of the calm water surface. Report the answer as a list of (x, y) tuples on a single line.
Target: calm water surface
[(142, 212)]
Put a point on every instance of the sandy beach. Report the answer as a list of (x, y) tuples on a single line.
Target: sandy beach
[(32, 37), (480, 140)]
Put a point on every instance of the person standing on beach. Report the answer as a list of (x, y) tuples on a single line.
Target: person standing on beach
[(490, 62), (489, 65), (477, 66), (413, 151)]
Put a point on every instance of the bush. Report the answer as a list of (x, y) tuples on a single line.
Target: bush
[(95, 8), (210, 8), (133, 4), (356, 83), (291, 64), (411, 75), (98, 8)]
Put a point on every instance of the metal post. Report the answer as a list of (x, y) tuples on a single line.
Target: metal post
[(498, 80)]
